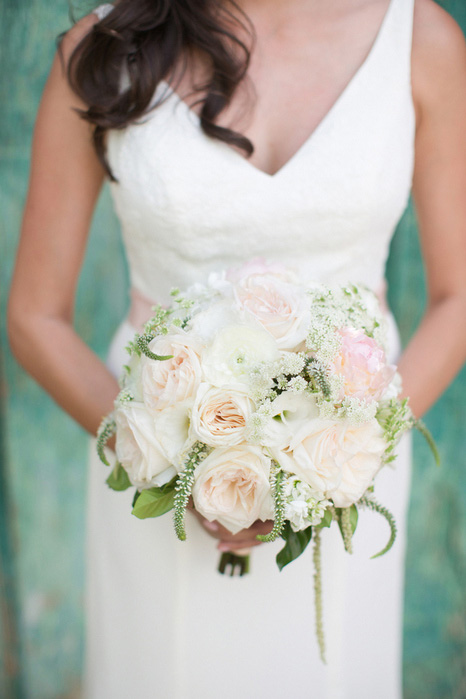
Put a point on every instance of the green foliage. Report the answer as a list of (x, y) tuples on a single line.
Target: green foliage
[(155, 502), (106, 429), (316, 374), (395, 418), (296, 543), (376, 507), (118, 479), (422, 428), (234, 564), (327, 520), (319, 616), (347, 518), (184, 486), (143, 345), (276, 482)]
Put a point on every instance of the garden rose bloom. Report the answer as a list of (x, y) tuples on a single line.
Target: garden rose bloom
[(172, 431), (167, 382), (360, 452), (337, 458), (138, 449), (363, 364), (315, 448), (260, 266), (219, 416), (232, 486), (281, 308)]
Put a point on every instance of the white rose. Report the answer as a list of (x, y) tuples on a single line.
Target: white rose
[(282, 309), (360, 452), (236, 350), (337, 458), (171, 381), (172, 432), (232, 486), (219, 415), (314, 448), (288, 413), (138, 449)]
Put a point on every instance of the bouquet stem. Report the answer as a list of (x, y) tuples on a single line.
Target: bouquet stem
[(239, 564)]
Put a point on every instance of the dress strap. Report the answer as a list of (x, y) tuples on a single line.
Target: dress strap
[(401, 32), (103, 10)]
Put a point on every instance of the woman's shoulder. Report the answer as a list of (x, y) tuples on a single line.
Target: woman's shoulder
[(77, 32), (438, 55)]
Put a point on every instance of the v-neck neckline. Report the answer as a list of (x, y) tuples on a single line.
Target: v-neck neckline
[(323, 122)]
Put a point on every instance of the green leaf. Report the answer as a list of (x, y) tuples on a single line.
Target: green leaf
[(326, 519), (353, 518), (296, 542), (118, 479), (155, 502)]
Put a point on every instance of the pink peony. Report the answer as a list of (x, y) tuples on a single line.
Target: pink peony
[(363, 365)]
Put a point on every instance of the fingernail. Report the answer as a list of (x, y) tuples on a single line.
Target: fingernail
[(223, 547), (213, 526)]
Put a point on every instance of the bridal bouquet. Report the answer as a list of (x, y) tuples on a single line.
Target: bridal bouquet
[(261, 397)]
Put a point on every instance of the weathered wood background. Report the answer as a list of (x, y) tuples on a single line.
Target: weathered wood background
[(43, 454)]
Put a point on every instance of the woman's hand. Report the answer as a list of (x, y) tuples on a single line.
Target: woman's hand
[(245, 539)]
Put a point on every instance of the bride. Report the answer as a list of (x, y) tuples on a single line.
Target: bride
[(293, 130)]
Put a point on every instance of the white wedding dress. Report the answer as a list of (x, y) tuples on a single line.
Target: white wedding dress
[(161, 622)]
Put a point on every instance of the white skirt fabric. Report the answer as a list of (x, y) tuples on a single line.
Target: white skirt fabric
[(161, 622)]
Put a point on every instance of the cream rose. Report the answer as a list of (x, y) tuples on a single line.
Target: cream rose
[(219, 415), (172, 431), (171, 381), (232, 486), (137, 448), (281, 308), (360, 454), (314, 448), (337, 458)]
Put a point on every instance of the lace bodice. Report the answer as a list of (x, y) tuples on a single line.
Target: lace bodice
[(189, 204)]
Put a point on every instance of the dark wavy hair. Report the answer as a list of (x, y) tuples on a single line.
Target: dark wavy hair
[(147, 37)]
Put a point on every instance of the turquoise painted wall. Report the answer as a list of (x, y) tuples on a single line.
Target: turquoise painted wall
[(42, 478)]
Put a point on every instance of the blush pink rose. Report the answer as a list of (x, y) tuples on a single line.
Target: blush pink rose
[(258, 265), (280, 307), (363, 365)]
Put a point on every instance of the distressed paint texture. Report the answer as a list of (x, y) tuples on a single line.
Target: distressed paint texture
[(43, 471)]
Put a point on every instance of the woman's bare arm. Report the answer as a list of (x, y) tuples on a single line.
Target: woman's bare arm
[(65, 181), (438, 349)]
